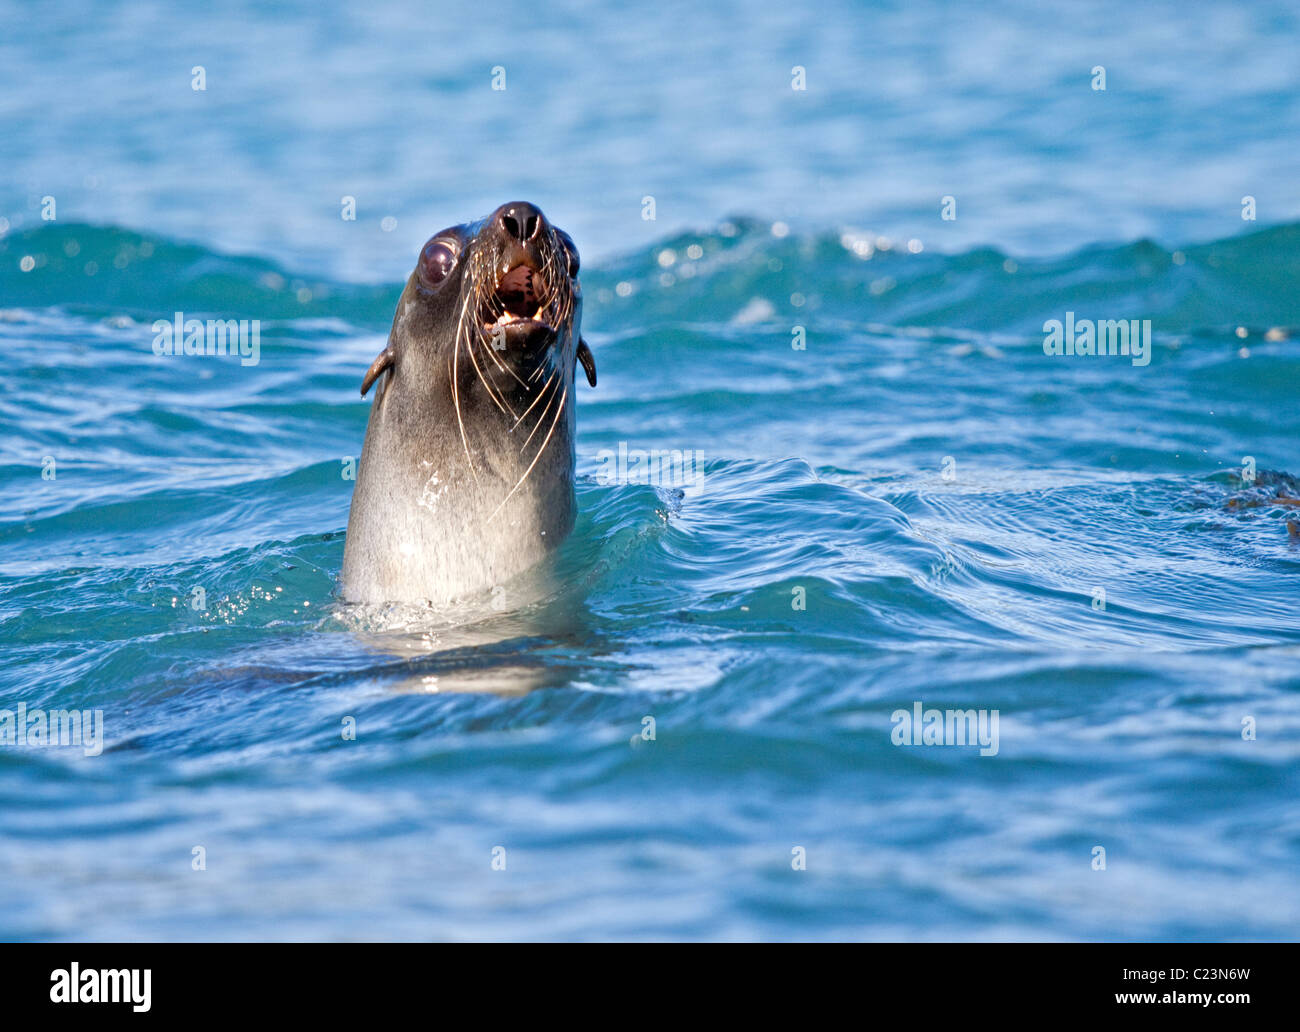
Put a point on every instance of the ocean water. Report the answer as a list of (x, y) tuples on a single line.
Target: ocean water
[(919, 506)]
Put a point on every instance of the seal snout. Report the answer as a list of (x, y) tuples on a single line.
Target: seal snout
[(525, 249), (520, 220)]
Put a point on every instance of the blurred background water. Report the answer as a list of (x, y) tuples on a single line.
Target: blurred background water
[(950, 500)]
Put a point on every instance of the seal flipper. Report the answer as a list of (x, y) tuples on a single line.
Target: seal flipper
[(384, 361), (587, 360)]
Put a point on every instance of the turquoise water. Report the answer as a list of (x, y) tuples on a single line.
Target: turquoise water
[(968, 522)]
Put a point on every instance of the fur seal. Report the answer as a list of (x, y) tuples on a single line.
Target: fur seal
[(466, 475)]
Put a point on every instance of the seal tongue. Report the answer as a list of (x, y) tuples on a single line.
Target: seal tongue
[(517, 292)]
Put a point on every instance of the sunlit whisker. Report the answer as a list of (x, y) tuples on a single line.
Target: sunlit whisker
[(554, 423)]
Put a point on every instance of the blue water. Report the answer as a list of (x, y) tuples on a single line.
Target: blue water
[(972, 524)]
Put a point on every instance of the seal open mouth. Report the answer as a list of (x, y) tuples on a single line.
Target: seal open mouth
[(521, 298)]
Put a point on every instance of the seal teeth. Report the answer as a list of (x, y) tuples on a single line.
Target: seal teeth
[(509, 317), (518, 295)]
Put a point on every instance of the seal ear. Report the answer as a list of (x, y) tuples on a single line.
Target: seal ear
[(588, 362), (384, 361)]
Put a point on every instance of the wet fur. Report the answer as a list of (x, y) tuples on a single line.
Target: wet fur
[(466, 475)]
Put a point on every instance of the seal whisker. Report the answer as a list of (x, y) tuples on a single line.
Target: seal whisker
[(554, 423), (487, 302), (455, 398), (492, 353), (542, 418), (470, 338), (540, 395), (503, 405)]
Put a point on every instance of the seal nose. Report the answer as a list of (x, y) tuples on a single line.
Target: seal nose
[(521, 221)]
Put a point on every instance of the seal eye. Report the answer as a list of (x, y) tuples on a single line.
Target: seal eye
[(570, 249), (436, 262)]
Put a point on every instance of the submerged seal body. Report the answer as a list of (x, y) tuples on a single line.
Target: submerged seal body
[(466, 475)]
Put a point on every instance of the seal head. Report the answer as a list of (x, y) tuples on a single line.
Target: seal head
[(466, 475)]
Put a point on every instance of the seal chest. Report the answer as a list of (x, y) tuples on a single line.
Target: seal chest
[(466, 475)]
